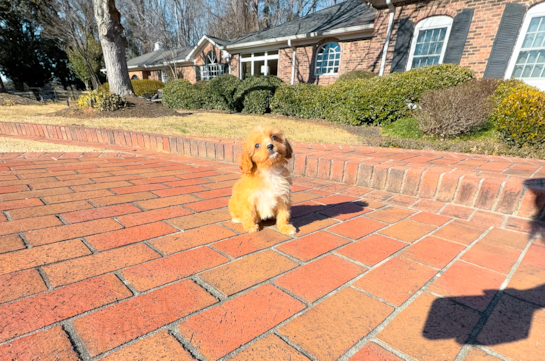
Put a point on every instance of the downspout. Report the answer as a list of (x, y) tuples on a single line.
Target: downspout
[(388, 33), (292, 61)]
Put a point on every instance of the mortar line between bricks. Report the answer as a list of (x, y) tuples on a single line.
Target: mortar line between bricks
[(536, 171), (405, 304), (472, 338), (474, 200), (391, 349), (75, 341)]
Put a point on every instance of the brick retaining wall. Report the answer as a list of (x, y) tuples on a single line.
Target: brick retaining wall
[(492, 184)]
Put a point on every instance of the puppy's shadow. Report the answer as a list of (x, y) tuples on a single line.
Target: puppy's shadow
[(304, 214)]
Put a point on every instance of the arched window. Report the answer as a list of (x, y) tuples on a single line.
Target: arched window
[(429, 41), (327, 59), (211, 58), (134, 77), (528, 60)]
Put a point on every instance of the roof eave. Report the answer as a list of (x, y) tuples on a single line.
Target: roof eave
[(347, 30)]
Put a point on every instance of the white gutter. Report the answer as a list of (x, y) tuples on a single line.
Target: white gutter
[(302, 36), (388, 33), (293, 56)]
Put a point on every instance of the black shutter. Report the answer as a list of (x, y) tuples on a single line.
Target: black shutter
[(458, 36), (403, 45), (506, 38)]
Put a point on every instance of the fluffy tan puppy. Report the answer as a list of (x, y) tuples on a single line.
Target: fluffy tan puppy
[(263, 192)]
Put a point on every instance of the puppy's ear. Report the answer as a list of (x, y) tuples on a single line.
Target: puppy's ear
[(289, 150), (246, 163)]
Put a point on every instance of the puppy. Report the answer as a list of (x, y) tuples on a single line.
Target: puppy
[(263, 192)]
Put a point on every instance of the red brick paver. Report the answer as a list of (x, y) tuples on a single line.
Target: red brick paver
[(132, 256)]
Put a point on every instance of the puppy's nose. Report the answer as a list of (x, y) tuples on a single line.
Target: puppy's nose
[(270, 146)]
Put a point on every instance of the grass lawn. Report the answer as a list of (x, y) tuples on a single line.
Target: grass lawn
[(198, 124), (10, 145)]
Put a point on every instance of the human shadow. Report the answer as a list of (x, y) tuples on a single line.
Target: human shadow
[(537, 187), (305, 214), (510, 321)]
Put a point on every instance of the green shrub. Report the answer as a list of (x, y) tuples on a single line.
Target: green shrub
[(146, 88), (300, 100), (404, 128), (220, 92), (180, 93), (520, 118), (252, 84), (508, 87), (257, 102), (462, 109), (201, 84), (101, 101), (356, 74), (385, 99)]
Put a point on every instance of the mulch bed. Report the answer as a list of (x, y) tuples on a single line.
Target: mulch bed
[(138, 108), (10, 99)]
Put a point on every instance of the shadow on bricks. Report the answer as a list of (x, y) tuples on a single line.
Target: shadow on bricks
[(537, 187), (305, 214), (510, 320)]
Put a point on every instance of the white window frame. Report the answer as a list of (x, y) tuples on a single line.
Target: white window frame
[(534, 12), (254, 58), (433, 22), (316, 59)]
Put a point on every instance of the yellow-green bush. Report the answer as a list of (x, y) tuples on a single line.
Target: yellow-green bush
[(101, 101), (520, 118), (180, 93), (142, 88)]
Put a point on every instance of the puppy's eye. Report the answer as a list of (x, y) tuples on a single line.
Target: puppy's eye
[(257, 146), (274, 137)]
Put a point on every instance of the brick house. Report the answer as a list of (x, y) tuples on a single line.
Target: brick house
[(494, 38)]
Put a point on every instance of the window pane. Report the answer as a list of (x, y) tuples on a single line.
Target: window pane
[(538, 41), (537, 71), (534, 24), (272, 52), (528, 40), (259, 67), (259, 54), (527, 71), (518, 71), (273, 67), (246, 70)]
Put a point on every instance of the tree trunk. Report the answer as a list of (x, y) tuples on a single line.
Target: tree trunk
[(2, 87), (113, 46)]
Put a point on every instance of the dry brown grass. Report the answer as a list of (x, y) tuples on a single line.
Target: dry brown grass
[(10, 145), (198, 124)]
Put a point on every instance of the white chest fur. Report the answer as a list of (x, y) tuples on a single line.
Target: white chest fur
[(276, 187)]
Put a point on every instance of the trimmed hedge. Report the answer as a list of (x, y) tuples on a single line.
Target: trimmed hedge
[(142, 88), (299, 100), (180, 93), (356, 74), (220, 92), (256, 103), (374, 100), (386, 99)]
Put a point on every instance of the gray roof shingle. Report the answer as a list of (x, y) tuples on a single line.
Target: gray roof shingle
[(156, 58), (343, 15)]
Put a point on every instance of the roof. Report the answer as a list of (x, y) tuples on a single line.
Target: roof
[(158, 57), (344, 15), (381, 4), (220, 42)]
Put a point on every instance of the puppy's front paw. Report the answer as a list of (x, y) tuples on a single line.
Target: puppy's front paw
[(287, 229), (251, 228)]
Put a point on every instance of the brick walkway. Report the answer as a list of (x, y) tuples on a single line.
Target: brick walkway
[(133, 257)]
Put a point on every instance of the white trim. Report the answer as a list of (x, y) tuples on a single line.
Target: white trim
[(535, 11), (432, 22), (301, 36), (252, 59)]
